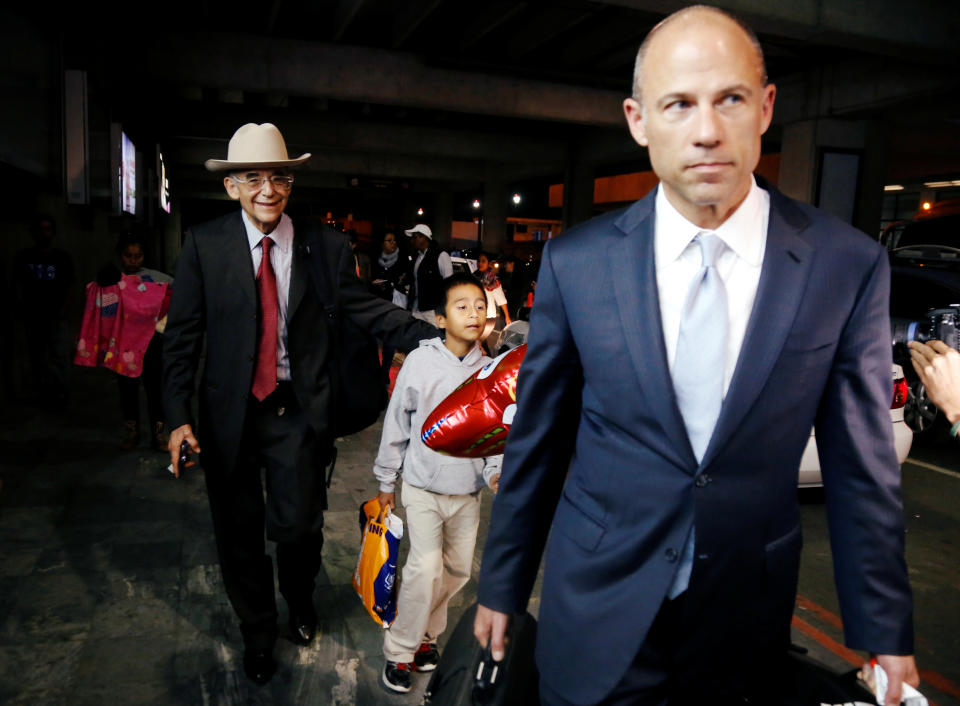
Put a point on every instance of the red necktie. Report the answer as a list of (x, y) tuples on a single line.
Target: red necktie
[(265, 375)]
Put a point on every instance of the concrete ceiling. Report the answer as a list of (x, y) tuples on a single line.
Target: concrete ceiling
[(434, 90)]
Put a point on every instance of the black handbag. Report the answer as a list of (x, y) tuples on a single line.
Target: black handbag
[(359, 394), (468, 676)]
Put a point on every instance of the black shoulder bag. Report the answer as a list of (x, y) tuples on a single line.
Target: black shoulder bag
[(358, 392)]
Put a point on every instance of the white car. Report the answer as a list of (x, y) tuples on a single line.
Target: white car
[(463, 264), (902, 435)]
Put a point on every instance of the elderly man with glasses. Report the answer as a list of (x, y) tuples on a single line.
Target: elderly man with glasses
[(245, 285)]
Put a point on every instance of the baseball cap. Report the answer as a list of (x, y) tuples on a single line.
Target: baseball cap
[(421, 229)]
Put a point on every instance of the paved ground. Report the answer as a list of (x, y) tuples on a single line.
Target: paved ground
[(110, 591)]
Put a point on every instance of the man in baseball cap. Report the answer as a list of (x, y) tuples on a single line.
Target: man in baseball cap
[(431, 267), (244, 284)]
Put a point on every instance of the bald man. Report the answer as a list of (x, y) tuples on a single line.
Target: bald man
[(662, 417)]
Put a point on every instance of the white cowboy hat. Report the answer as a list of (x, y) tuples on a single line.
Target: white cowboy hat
[(256, 147), (421, 229)]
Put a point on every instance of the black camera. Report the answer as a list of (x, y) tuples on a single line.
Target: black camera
[(939, 324)]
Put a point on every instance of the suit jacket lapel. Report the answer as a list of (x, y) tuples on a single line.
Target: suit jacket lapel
[(299, 274), (786, 267), (635, 283), (237, 254)]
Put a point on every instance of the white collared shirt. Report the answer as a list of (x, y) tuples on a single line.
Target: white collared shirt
[(281, 258), (678, 259)]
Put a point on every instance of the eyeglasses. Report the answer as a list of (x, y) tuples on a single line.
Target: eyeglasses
[(256, 182)]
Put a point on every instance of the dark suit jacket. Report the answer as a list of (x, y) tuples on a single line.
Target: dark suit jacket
[(216, 296), (595, 399)]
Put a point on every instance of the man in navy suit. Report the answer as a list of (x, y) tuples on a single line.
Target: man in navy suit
[(662, 416)]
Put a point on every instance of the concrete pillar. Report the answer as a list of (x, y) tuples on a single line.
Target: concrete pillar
[(822, 159), (798, 160), (577, 189), (171, 237), (873, 171), (494, 209), (443, 217)]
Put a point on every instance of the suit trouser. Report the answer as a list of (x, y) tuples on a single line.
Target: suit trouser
[(443, 534), (680, 664), (277, 438)]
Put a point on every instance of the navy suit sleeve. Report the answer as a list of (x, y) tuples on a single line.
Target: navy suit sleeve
[(183, 336), (862, 478), (379, 317), (538, 451)]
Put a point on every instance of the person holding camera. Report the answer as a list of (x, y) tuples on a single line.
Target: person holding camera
[(938, 366)]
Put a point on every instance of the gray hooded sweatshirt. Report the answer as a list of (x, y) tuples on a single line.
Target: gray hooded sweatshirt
[(428, 375)]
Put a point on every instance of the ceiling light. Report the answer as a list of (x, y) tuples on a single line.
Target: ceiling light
[(516, 199), (476, 203), (893, 187)]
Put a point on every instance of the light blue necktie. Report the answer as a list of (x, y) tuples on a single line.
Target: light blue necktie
[(698, 367)]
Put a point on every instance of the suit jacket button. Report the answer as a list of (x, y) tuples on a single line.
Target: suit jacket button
[(672, 555), (702, 480)]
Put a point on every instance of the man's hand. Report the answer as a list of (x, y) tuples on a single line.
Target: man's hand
[(938, 366), (495, 483), (899, 669), (177, 436), (387, 500), (491, 626)]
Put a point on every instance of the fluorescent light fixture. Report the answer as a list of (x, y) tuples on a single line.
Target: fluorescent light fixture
[(893, 187)]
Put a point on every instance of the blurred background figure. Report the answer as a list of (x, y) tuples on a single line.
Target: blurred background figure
[(43, 279), (130, 252), (360, 259), (391, 273), (498, 315), (514, 285), (430, 267)]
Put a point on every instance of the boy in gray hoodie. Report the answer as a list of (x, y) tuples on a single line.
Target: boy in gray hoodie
[(441, 494)]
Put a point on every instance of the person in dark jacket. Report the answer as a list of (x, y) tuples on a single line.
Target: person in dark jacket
[(44, 278), (431, 266), (265, 394)]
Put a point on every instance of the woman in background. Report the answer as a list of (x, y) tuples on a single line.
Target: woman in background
[(390, 275), (131, 253)]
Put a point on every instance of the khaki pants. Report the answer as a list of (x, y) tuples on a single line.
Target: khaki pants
[(443, 534)]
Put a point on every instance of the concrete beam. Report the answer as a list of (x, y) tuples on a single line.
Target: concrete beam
[(347, 162), (343, 16), (309, 133), (408, 15), (881, 26), (858, 86), (366, 75)]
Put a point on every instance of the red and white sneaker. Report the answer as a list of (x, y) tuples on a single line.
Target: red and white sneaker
[(426, 657), (396, 676)]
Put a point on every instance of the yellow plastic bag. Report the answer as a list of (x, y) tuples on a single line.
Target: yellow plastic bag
[(375, 578)]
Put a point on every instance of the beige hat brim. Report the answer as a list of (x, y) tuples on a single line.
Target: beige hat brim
[(222, 165)]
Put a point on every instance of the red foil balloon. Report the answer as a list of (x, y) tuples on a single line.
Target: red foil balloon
[(474, 419)]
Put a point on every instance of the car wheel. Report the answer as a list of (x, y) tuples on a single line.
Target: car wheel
[(919, 412)]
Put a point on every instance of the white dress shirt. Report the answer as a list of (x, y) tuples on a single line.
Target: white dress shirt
[(678, 260), (281, 258)]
